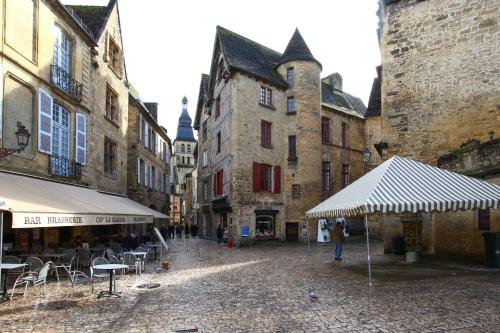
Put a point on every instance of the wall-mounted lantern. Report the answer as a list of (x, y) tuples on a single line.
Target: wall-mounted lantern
[(23, 138)]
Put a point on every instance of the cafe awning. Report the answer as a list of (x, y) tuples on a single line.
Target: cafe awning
[(37, 202)]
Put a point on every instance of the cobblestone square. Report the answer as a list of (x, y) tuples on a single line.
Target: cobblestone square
[(265, 289)]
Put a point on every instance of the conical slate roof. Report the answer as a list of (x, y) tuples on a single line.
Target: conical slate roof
[(297, 49), (184, 129)]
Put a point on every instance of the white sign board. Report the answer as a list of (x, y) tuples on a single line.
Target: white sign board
[(43, 220)]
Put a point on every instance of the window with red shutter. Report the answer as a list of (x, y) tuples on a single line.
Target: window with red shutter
[(215, 184), (256, 177), (220, 182), (266, 178), (277, 179), (265, 132)]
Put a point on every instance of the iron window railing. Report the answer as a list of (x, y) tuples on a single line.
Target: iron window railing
[(65, 167), (61, 79)]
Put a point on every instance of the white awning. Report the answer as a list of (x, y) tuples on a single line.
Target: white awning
[(402, 185), (36, 202)]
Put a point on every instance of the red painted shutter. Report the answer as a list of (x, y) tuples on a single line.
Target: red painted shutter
[(256, 177), (215, 184), (277, 179), (221, 182)]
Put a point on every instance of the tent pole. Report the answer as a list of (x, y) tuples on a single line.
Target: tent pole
[(1, 249), (368, 249), (308, 236)]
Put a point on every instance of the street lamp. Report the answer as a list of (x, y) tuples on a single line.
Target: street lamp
[(23, 138)]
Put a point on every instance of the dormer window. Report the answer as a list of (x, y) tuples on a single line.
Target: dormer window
[(114, 56), (290, 75)]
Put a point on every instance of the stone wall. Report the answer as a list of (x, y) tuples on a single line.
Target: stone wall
[(440, 72)]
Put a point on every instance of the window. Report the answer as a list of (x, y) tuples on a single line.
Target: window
[(266, 96), (152, 144), (205, 158), (290, 75), (295, 191), (140, 171), (220, 70), (344, 135), (217, 107), (218, 142), (189, 149), (325, 130), (183, 160), (205, 190), (264, 226), (114, 56), (218, 183), (265, 134), (62, 51), (189, 160), (292, 148), (291, 105), (266, 172), (204, 131), (483, 219), (326, 176), (345, 175), (109, 156), (60, 131), (111, 104), (183, 148), (164, 152), (152, 182), (264, 179)]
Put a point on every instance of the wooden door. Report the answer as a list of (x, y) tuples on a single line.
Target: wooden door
[(292, 232)]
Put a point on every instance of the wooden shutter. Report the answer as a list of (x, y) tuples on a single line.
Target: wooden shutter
[(277, 179), (146, 174), (138, 170), (140, 127), (146, 135), (81, 139), (221, 182), (256, 177), (215, 185), (45, 104)]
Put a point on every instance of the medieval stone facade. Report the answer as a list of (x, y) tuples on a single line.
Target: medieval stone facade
[(274, 139), (64, 81), (149, 156), (439, 87)]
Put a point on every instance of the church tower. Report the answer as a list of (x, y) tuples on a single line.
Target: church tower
[(184, 145)]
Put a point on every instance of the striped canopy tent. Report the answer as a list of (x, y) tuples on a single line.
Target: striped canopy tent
[(401, 185)]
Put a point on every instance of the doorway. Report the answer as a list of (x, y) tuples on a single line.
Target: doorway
[(292, 231)]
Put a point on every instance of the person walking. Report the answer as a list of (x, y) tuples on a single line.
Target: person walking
[(338, 239), (186, 230), (219, 234), (178, 231)]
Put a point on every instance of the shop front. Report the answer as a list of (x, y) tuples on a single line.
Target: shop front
[(42, 213), (265, 224)]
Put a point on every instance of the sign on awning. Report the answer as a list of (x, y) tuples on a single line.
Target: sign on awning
[(42, 220)]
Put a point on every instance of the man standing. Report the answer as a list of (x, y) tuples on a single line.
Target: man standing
[(338, 239)]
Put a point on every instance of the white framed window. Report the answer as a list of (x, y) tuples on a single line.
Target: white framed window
[(205, 158), (62, 49), (60, 131)]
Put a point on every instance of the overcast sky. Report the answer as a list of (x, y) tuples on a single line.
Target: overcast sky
[(168, 44)]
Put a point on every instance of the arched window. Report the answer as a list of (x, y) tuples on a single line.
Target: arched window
[(183, 148), (189, 149)]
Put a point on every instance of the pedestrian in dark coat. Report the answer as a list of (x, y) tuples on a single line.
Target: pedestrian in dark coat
[(219, 233), (186, 230), (339, 239), (178, 231)]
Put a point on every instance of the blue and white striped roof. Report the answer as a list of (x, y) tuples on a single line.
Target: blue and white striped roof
[(401, 185)]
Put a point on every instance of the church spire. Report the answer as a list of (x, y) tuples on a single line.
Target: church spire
[(184, 128)]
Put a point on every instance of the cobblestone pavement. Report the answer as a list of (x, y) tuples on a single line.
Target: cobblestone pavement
[(265, 289)]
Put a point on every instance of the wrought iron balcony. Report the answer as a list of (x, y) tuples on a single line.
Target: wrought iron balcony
[(65, 167), (61, 79)]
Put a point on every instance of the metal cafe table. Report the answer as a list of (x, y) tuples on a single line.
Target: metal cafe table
[(5, 267), (111, 269)]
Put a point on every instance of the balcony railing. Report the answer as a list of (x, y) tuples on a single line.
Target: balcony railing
[(65, 167), (61, 79)]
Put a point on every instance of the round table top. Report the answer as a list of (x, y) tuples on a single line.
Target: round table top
[(110, 266), (140, 253), (11, 266)]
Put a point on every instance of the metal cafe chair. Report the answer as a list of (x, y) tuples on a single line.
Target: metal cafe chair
[(83, 257), (132, 262), (75, 278)]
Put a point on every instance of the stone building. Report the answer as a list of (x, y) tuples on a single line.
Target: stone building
[(274, 139), (439, 89), (148, 156), (183, 160), (64, 82)]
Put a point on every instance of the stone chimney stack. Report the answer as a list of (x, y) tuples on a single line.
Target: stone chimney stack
[(336, 81)]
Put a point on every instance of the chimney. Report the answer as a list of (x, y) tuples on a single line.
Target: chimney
[(336, 81), (153, 109)]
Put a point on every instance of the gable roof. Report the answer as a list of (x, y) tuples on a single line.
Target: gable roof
[(341, 101), (202, 92), (250, 57), (297, 49), (95, 17)]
